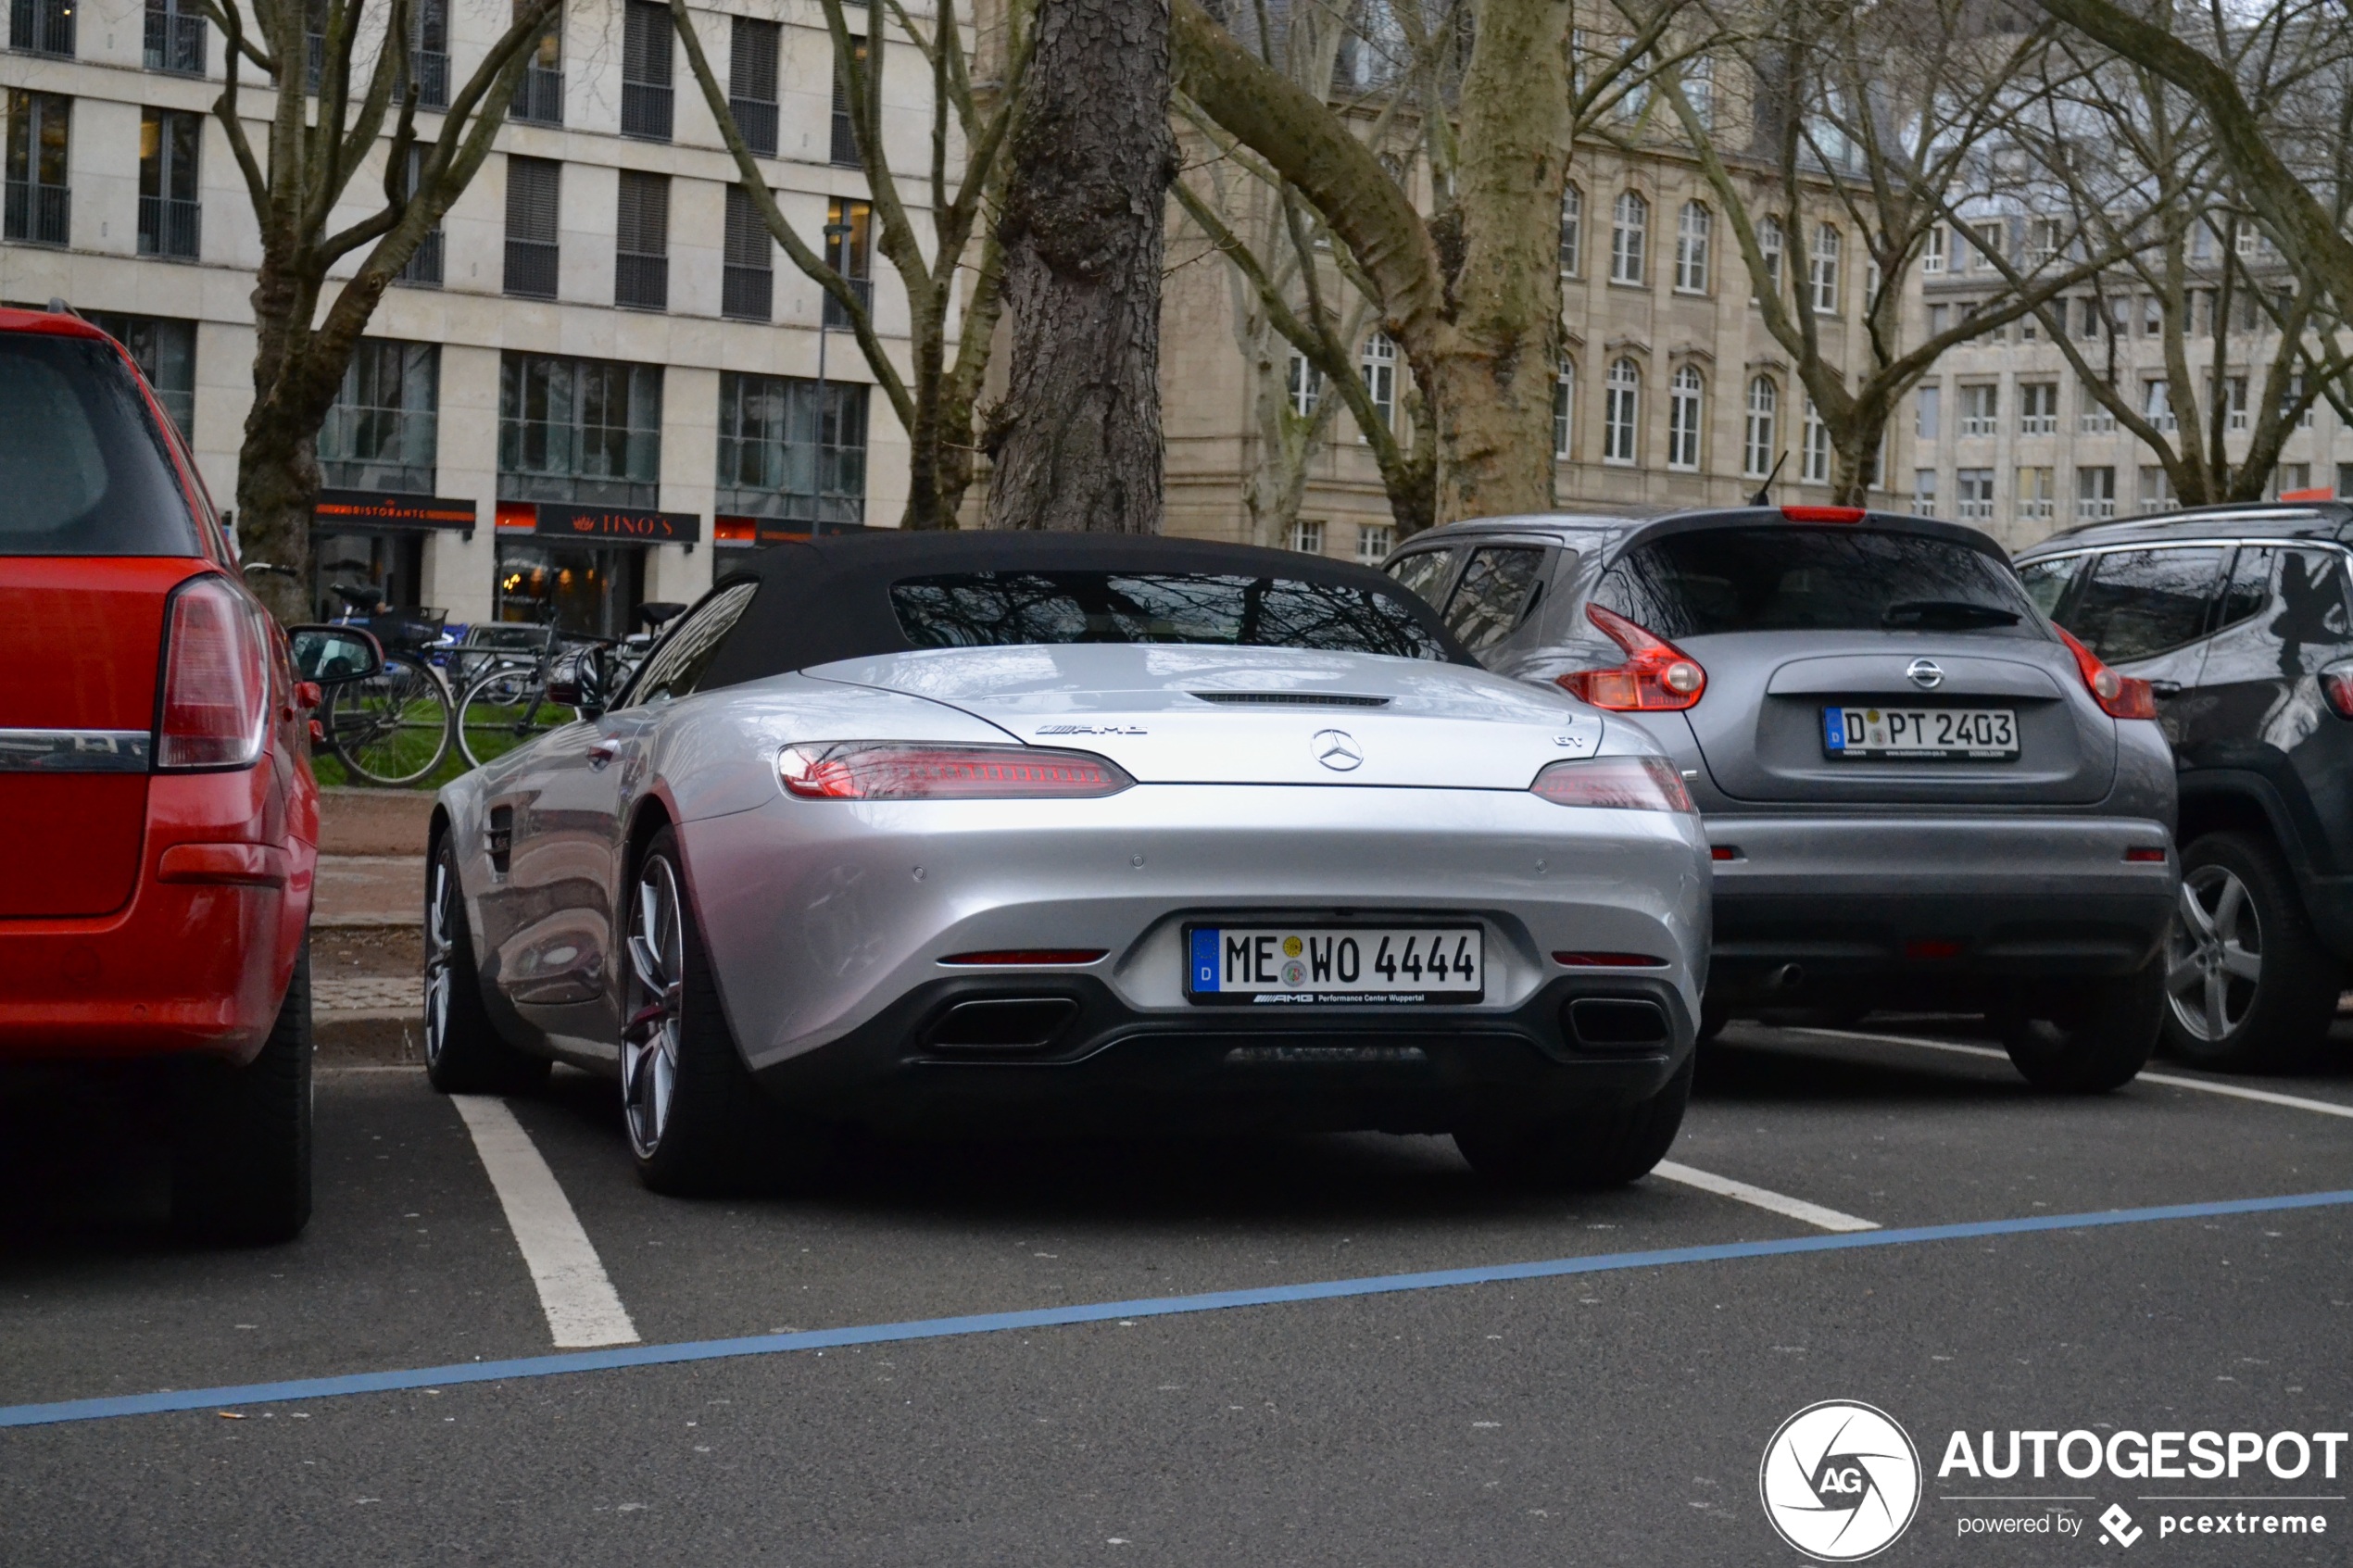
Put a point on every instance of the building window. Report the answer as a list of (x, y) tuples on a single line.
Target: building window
[(1572, 231), (1684, 402), (2037, 493), (1932, 256), (539, 94), (175, 38), (1692, 231), (2093, 417), (2234, 402), (2344, 480), (644, 70), (1621, 412), (1302, 384), (534, 192), (583, 431), (1374, 541), (844, 141), (849, 250), (1986, 240), (42, 27), (382, 431), (429, 51), (751, 81), (2042, 241), (2094, 495), (1380, 369), (641, 243), (1628, 230), (39, 203), (1699, 90), (2157, 489), (1926, 412), (1563, 406), (748, 284), (1306, 538), (1769, 245), (1824, 263), (1981, 408), (2290, 478), (423, 268), (1758, 441), (2038, 408), (2156, 403), (1924, 492), (1974, 490), (165, 351), (169, 218), (781, 456), (1814, 459), (1938, 315)]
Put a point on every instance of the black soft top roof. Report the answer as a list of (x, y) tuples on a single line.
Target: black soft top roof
[(829, 599)]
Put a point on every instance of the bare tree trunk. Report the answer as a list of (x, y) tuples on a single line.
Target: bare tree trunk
[(1075, 444)]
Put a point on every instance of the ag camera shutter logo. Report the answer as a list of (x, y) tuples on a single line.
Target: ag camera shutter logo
[(1841, 1481)]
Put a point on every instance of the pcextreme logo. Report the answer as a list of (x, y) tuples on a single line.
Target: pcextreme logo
[(1841, 1481)]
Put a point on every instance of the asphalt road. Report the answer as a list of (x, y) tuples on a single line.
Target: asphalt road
[(1615, 1416)]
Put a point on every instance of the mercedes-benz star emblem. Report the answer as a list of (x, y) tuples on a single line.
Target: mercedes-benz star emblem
[(1925, 674), (1338, 750)]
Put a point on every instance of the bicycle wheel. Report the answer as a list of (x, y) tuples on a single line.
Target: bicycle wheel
[(504, 710), (392, 728)]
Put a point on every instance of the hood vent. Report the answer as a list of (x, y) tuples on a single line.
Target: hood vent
[(1293, 699)]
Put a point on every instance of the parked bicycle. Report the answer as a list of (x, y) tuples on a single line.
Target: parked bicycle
[(394, 727), (507, 704)]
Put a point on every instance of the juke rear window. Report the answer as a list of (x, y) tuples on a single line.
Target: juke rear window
[(1799, 579), (84, 470), (1008, 608)]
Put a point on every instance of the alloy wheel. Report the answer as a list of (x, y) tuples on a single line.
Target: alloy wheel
[(2214, 956), (437, 957), (650, 1041)]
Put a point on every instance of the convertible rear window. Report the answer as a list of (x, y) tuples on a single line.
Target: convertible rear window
[(82, 463), (1834, 579), (1002, 608)]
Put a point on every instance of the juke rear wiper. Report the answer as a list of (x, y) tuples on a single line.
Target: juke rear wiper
[(1945, 615)]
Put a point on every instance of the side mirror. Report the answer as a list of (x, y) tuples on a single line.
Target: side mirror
[(333, 655), (577, 681)]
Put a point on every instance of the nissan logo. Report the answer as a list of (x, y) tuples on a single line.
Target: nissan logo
[(1338, 750), (1925, 674)]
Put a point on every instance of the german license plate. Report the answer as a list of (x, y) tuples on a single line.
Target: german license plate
[(1932, 733), (1274, 965)]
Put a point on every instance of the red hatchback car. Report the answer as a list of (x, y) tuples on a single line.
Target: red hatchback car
[(155, 774)]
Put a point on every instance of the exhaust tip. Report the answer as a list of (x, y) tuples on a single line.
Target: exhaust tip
[(1618, 1023), (1001, 1023)]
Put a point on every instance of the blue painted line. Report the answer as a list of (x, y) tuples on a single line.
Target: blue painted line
[(1153, 1307)]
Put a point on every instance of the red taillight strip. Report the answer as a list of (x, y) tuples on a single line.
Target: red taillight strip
[(2142, 855), (1656, 677), (2120, 697), (1823, 514), (930, 771), (1030, 957), (1608, 960)]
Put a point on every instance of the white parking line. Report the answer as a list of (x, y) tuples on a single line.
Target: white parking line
[(2268, 1097), (582, 1308), (1780, 1203)]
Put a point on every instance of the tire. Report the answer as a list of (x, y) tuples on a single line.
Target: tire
[(241, 1135), (698, 1124), (392, 728), (1602, 1146), (2089, 1038), (2248, 987), (505, 710), (464, 1052)]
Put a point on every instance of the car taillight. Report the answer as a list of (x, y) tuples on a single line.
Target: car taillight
[(1624, 783), (1656, 676), (2120, 697), (2336, 685), (1823, 514), (903, 771), (215, 680)]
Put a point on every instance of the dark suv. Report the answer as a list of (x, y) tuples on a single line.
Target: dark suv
[(2241, 619), (1918, 792)]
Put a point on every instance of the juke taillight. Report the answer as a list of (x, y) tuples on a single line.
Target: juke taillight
[(2120, 697), (860, 770), (215, 712), (1657, 677)]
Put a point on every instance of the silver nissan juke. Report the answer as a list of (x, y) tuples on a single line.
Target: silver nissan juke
[(983, 831)]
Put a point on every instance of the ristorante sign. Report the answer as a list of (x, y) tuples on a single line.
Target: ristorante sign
[(618, 525), (339, 510)]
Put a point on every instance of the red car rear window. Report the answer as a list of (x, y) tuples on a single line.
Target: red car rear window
[(84, 470)]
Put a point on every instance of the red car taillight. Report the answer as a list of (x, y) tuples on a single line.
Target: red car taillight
[(2336, 685), (215, 680), (915, 770), (2120, 697), (1626, 783), (1656, 676)]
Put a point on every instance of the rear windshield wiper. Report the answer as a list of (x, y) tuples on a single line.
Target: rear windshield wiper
[(1947, 615)]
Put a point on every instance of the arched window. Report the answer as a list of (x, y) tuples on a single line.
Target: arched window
[(1769, 240), (1814, 466), (1690, 248), (1757, 447), (1683, 403), (1572, 232), (1629, 231), (1563, 406), (1825, 270), (1621, 412), (1380, 369)]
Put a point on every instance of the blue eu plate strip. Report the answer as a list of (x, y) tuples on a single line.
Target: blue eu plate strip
[(1205, 960)]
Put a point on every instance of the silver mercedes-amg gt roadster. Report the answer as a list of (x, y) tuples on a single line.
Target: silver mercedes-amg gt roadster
[(972, 830)]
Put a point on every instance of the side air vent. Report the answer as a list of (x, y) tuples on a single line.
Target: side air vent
[(1293, 699), (500, 839)]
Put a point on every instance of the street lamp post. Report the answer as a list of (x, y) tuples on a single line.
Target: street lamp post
[(837, 253)]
